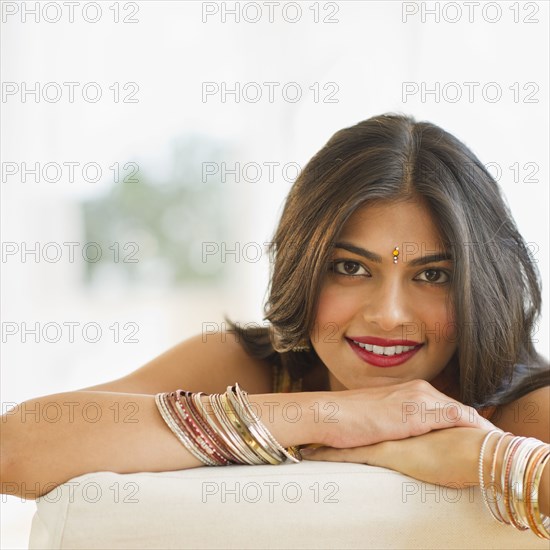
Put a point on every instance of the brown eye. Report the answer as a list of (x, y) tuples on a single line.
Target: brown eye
[(432, 275), (350, 267), (436, 276), (347, 268)]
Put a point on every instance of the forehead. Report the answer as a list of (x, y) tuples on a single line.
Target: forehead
[(392, 223)]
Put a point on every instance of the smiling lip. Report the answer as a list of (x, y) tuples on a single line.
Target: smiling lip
[(384, 360), (382, 341)]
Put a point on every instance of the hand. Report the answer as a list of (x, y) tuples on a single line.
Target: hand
[(398, 411), (446, 457)]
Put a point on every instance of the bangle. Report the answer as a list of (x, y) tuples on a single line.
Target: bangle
[(517, 483), (505, 475), (481, 466), (241, 428), (201, 439), (206, 438), (178, 431), (216, 423), (497, 495), (243, 449), (255, 428), (522, 467), (229, 434), (537, 461), (291, 453), (195, 403)]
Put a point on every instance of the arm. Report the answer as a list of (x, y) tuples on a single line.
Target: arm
[(427, 457), (124, 432), (129, 435)]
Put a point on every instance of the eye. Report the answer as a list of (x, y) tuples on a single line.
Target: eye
[(348, 268), (434, 276)]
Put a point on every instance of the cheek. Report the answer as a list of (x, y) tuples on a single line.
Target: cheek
[(437, 318), (445, 326), (449, 325), (335, 309)]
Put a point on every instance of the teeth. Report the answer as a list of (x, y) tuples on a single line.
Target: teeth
[(381, 350)]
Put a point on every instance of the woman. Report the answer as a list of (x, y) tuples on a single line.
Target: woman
[(401, 305)]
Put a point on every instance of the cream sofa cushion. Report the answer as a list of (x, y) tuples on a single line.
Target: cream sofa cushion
[(306, 505)]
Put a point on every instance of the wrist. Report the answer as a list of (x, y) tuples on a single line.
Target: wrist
[(296, 418)]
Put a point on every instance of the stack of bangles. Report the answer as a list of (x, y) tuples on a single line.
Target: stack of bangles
[(229, 433), (515, 501)]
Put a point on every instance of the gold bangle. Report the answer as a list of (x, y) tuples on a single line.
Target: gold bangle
[(240, 397), (242, 451), (293, 452), (517, 475), (542, 525), (247, 437)]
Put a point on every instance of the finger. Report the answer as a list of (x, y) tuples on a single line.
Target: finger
[(475, 420), (455, 414), (369, 454), (320, 453)]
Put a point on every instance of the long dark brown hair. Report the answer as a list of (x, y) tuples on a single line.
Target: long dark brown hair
[(495, 286)]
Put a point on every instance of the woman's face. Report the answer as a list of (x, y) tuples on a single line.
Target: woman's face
[(402, 302)]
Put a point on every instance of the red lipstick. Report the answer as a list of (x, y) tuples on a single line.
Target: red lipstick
[(383, 361), (382, 341)]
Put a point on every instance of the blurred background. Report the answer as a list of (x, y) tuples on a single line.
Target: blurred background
[(147, 149)]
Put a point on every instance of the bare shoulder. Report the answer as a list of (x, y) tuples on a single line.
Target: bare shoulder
[(528, 416), (200, 363)]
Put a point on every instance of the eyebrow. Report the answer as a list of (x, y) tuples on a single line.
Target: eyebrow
[(430, 258)]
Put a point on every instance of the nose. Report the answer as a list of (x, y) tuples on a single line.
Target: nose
[(387, 306)]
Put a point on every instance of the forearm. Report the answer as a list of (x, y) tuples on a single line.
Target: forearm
[(49, 440)]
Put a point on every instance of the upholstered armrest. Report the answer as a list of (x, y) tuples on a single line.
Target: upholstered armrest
[(306, 505)]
